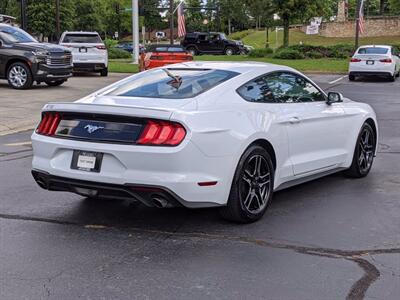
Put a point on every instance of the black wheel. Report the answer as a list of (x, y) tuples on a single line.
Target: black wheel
[(104, 72), (392, 78), (19, 76), (55, 82), (252, 187), (364, 153), (398, 74), (352, 77), (192, 51), (229, 51)]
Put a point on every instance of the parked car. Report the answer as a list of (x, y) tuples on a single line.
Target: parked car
[(162, 55), (374, 60), (203, 134), (128, 47), (212, 43), (23, 60), (88, 51)]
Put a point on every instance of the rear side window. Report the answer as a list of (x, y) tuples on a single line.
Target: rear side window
[(373, 50), (256, 90), (172, 83), (82, 38)]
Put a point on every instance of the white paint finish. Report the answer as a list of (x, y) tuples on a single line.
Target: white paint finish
[(308, 138)]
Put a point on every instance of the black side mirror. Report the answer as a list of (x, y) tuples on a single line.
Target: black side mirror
[(334, 97)]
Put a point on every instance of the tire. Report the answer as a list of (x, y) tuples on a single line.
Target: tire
[(55, 83), (365, 148), (252, 187), (192, 51), (229, 51), (104, 72), (398, 74), (19, 76), (392, 78), (352, 77)]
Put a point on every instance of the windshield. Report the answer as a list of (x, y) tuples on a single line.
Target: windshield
[(172, 83), (15, 35), (82, 38), (373, 50)]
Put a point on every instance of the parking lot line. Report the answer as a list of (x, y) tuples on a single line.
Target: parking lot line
[(338, 79)]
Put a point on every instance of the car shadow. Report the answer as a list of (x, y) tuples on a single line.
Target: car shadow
[(371, 79)]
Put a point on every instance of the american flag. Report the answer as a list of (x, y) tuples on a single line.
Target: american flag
[(181, 21), (361, 24)]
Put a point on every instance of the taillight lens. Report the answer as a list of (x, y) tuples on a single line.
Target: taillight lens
[(355, 60), (162, 133), (386, 60), (101, 47), (49, 123)]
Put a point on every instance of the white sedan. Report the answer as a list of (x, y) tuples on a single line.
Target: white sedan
[(375, 61), (202, 135)]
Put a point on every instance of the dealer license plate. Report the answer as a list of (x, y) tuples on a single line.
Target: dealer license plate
[(86, 161)]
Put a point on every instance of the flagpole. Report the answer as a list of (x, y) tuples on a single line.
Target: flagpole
[(358, 23)]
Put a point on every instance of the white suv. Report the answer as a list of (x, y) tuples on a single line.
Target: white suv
[(88, 51)]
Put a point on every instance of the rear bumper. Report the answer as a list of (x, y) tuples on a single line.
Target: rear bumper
[(177, 171), (370, 73), (92, 67), (152, 196)]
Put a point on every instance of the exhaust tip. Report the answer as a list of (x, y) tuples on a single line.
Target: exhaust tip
[(159, 201)]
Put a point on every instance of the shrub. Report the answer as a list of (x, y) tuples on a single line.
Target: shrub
[(287, 53), (314, 54), (109, 43), (114, 53), (240, 34), (262, 52)]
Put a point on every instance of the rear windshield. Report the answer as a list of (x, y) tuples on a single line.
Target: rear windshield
[(166, 49), (82, 38), (373, 50), (172, 83)]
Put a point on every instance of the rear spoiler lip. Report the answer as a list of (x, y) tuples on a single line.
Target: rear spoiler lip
[(122, 110)]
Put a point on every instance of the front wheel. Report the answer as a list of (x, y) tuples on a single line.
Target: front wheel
[(192, 51), (252, 187), (364, 152), (229, 51), (352, 77), (19, 76)]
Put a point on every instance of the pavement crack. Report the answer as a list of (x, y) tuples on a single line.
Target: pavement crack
[(357, 290)]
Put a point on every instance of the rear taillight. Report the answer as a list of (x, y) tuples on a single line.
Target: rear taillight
[(49, 123), (355, 60), (156, 57), (101, 47), (162, 133), (386, 60)]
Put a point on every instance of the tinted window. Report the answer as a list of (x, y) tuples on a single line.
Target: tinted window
[(203, 37), (178, 84), (15, 35), (256, 90), (373, 50), (82, 38), (292, 88)]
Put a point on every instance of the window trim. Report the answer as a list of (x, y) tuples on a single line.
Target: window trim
[(280, 72)]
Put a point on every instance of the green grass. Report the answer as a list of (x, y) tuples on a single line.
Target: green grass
[(257, 39), (122, 66), (324, 65)]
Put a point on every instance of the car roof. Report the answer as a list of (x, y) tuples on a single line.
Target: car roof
[(80, 32), (239, 67), (375, 46)]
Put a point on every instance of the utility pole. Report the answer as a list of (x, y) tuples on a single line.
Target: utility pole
[(135, 30), (23, 15), (171, 21), (57, 19), (357, 24)]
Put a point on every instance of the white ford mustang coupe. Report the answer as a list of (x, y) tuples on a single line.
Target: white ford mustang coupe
[(203, 134)]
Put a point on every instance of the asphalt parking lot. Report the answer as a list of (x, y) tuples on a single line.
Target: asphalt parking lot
[(333, 238)]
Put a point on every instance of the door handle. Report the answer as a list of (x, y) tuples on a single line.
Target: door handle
[(294, 120)]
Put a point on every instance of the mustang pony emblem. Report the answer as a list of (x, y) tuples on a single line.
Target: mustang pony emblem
[(92, 128)]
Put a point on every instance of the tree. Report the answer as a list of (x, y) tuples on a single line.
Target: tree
[(300, 9), (88, 14), (394, 6)]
